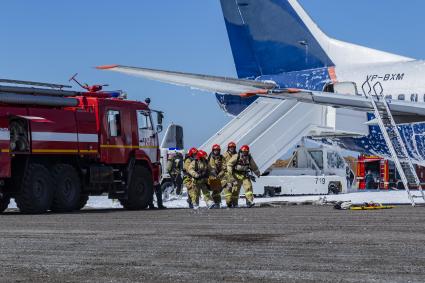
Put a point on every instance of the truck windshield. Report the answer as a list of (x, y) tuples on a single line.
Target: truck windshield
[(335, 161), (144, 120), (317, 156)]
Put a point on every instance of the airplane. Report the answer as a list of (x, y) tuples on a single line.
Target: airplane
[(281, 53)]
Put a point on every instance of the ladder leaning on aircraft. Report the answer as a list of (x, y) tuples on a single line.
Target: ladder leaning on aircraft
[(393, 140)]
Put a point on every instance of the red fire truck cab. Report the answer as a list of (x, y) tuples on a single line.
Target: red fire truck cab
[(58, 147)]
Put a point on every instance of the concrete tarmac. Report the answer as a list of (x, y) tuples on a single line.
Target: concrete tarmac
[(281, 244)]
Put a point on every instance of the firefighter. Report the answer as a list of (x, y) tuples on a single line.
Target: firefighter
[(199, 171), (231, 150), (175, 169), (187, 181), (218, 170), (370, 181), (227, 188), (239, 170)]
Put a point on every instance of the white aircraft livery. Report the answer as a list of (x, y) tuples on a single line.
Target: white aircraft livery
[(280, 52)]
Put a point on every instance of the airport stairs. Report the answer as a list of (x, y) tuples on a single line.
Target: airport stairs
[(395, 143), (272, 127)]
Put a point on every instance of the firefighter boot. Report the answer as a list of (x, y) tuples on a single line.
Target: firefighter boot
[(151, 204), (158, 194), (227, 192), (249, 204), (189, 202)]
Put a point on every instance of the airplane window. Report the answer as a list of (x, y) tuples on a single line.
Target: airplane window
[(401, 97), (414, 97)]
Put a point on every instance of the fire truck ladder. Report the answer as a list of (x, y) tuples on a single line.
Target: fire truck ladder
[(394, 141)]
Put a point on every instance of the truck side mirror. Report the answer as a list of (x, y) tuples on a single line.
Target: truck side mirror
[(160, 118), (159, 128)]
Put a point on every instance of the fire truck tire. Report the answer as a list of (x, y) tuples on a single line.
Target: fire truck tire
[(67, 188), (140, 189), (4, 203), (83, 201), (36, 190)]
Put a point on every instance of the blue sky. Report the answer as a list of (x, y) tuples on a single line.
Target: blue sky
[(50, 40)]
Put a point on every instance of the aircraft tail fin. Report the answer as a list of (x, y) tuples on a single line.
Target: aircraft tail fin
[(276, 36)]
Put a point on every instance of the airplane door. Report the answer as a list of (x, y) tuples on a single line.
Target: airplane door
[(147, 136)]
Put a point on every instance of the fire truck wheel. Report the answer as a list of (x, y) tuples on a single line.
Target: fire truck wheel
[(4, 203), (140, 189), (67, 190), (36, 192), (83, 201)]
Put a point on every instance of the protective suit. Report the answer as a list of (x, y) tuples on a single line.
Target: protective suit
[(239, 169)]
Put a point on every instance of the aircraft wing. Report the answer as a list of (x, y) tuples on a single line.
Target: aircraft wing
[(403, 111), (196, 81)]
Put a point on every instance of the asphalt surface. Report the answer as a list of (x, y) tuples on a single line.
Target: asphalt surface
[(283, 244)]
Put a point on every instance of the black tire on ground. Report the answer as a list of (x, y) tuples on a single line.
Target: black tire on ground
[(83, 201), (4, 203), (270, 192), (67, 188), (36, 190), (333, 189), (140, 189)]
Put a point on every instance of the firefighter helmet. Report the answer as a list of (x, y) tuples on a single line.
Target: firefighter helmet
[(216, 147), (245, 148), (201, 154), (192, 152), (231, 144)]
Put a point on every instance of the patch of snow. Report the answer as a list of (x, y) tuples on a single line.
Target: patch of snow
[(384, 197)]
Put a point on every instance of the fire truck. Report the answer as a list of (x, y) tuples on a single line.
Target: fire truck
[(58, 147), (384, 173)]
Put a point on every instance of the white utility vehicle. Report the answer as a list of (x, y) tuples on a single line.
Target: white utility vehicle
[(310, 171), (172, 143)]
